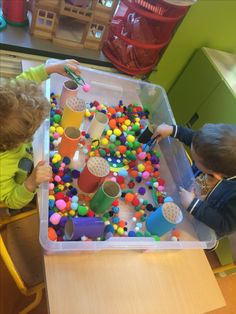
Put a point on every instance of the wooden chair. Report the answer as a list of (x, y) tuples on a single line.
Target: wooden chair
[(21, 253)]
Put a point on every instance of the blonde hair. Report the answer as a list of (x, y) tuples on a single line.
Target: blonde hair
[(23, 107)]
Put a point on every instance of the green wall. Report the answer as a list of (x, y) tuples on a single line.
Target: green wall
[(208, 23)]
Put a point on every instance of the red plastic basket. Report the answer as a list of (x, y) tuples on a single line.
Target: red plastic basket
[(161, 7), (138, 36)]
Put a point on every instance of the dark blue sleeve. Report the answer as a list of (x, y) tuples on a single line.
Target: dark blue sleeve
[(184, 135), (222, 221)]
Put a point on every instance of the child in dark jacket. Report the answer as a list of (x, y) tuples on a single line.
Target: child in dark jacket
[(213, 149)]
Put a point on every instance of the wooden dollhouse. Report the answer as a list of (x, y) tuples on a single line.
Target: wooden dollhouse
[(72, 23)]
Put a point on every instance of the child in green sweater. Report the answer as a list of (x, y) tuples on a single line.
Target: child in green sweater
[(23, 107)]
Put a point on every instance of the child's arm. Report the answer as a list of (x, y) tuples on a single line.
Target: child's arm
[(41, 73), (16, 195), (223, 222), (185, 135)]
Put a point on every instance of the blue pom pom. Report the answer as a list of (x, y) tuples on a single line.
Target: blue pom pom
[(132, 234), (75, 174), (67, 178), (168, 199), (109, 228), (73, 191), (66, 160)]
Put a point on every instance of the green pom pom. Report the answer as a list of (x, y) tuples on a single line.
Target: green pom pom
[(82, 210), (156, 238), (56, 118)]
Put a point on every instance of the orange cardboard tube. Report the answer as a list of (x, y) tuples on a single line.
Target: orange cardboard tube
[(69, 142)]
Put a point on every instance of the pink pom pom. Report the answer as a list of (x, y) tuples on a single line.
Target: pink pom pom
[(145, 174), (86, 88), (160, 188), (60, 204), (55, 218), (51, 186), (57, 178), (142, 156), (56, 135)]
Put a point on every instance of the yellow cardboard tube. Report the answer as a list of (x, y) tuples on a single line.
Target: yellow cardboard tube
[(74, 111)]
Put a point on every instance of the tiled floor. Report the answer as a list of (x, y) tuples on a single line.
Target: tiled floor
[(11, 300)]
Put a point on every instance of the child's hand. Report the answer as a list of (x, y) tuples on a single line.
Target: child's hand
[(58, 67), (162, 131), (186, 197), (41, 173)]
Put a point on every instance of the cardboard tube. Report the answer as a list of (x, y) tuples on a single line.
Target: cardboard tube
[(164, 218), (91, 227), (93, 174), (97, 125), (73, 113), (105, 196), (69, 142), (69, 89), (147, 134)]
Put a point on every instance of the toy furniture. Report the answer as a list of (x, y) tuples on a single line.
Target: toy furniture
[(21, 253), (205, 92), (73, 24)]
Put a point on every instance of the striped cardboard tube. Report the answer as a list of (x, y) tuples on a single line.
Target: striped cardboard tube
[(97, 125), (69, 89), (69, 142), (73, 113)]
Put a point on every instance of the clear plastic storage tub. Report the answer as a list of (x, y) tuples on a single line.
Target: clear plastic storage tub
[(175, 169)]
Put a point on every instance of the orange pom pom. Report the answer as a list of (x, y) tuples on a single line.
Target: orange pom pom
[(138, 215), (122, 149), (129, 197), (52, 234), (111, 110), (134, 173), (112, 123)]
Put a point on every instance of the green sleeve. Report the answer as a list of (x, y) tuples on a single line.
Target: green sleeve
[(13, 195), (37, 74)]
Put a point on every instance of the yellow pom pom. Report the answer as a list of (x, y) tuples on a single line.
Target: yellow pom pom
[(61, 187), (120, 231), (141, 167), (54, 160), (57, 156), (125, 161), (130, 138), (109, 132), (115, 226), (72, 212), (124, 127), (127, 122), (51, 197), (105, 141), (87, 113), (52, 129), (117, 132), (60, 130)]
